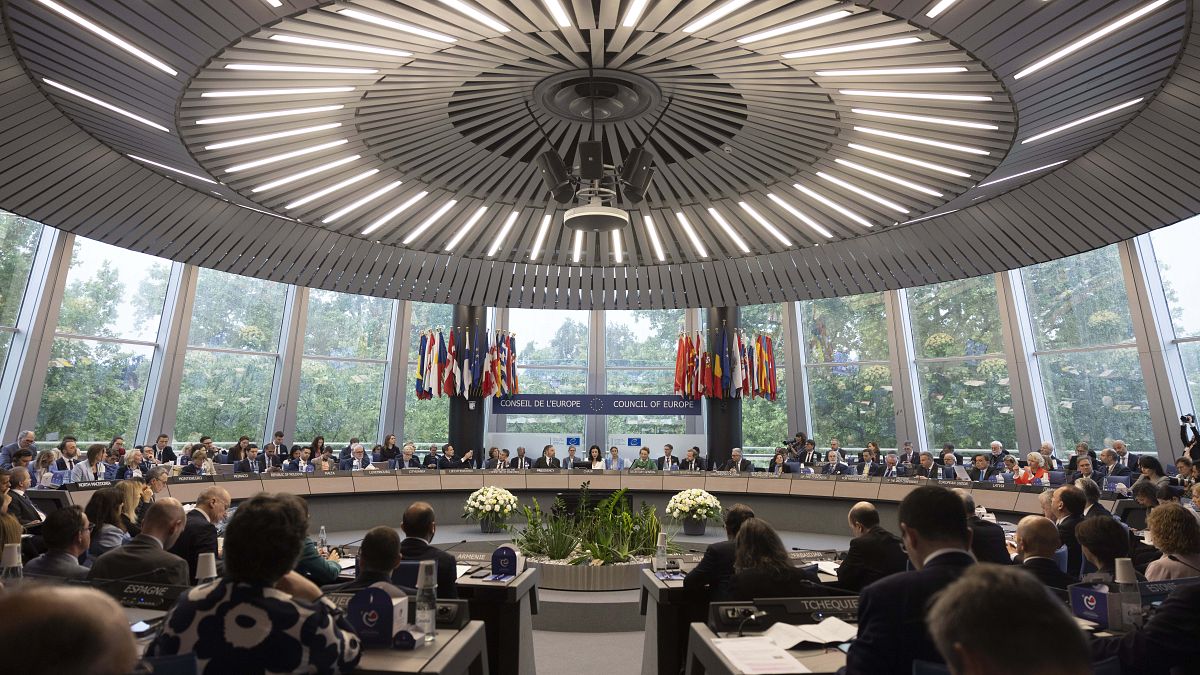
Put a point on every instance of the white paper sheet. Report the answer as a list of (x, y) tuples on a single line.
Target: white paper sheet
[(757, 656), (830, 631)]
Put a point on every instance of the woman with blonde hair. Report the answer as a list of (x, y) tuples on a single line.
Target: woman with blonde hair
[(1175, 532), (131, 494), (44, 467), (1035, 471)]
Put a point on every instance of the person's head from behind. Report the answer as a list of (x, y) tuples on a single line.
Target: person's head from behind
[(1103, 540), (380, 550), (1167, 494), (758, 545), (968, 502), (419, 521), (862, 517), (96, 452), (67, 529), (932, 518), (20, 479), (1046, 501), (10, 529), (735, 517), (984, 601), (164, 521), (104, 508), (1091, 491), (215, 503), (1069, 501), (251, 557), (1174, 530), (100, 640), (1145, 494), (1037, 537)]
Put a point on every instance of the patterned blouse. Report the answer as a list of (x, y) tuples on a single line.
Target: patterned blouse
[(242, 627)]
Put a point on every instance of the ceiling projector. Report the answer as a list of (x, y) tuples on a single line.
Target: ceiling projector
[(595, 217)]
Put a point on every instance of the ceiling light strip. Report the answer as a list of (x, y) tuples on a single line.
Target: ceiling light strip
[(331, 189), (814, 225), (940, 7), (691, 234), (923, 95), (109, 36), (396, 25), (909, 160), (1084, 120), (618, 253), (558, 13), (765, 224), (475, 13), (795, 26), (834, 205), (104, 104), (889, 177), (285, 156), (172, 169), (944, 121), (428, 222), (1090, 38), (282, 68), (856, 47), (577, 249), (269, 114), (884, 72), (633, 15), (923, 141), (654, 240), (361, 202), (275, 3), (1018, 175), (863, 193), (716, 15), (291, 91), (270, 137), (306, 173), (466, 227), (936, 215), (343, 46), (737, 240), (508, 226), (387, 217), (541, 237)]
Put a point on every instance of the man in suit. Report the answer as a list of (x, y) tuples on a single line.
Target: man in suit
[(500, 461), (983, 470), (432, 459), (668, 461), (357, 460), (276, 447), (1091, 493), (145, 558), (874, 552), (378, 558), (22, 508), (1068, 504), (251, 463), (69, 449), (907, 455), (891, 467), (709, 580), (200, 529), (927, 469), (272, 457), (1111, 465), (419, 526), (25, 441), (891, 611), (1125, 457), (987, 539), (449, 461), (520, 461), (547, 460), (67, 535), (834, 466), (997, 454), (1167, 641), (161, 452), (1084, 469), (1037, 540), (736, 463), (810, 454), (691, 462)]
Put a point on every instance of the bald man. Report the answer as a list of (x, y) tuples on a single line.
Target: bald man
[(200, 528), (419, 525), (1037, 540), (65, 630), (874, 552), (145, 557)]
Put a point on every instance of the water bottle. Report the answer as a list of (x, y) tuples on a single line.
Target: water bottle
[(660, 553), (10, 566), (322, 538), (1000, 478), (427, 599)]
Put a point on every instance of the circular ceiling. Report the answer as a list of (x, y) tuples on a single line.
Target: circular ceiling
[(801, 149)]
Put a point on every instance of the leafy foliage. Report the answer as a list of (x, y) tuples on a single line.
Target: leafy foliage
[(608, 532)]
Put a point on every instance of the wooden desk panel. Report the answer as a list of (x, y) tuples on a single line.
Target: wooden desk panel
[(599, 480), (453, 480), (509, 480), (188, 492), (551, 480), (642, 481), (995, 498), (857, 488), (676, 481), (374, 481), (418, 480), (1027, 502), (726, 483), (813, 486), (896, 489), (242, 488), (295, 485), (331, 484), (769, 484)]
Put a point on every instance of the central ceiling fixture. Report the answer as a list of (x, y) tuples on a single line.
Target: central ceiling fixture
[(609, 96)]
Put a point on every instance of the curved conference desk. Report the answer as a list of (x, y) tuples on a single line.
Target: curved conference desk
[(359, 500)]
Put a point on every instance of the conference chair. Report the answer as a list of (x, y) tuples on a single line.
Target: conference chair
[(1057, 478), (1110, 482), (406, 573)]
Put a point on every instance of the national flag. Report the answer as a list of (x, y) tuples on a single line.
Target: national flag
[(419, 385)]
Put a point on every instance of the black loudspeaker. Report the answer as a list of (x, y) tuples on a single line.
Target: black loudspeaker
[(591, 160), (556, 177), (636, 174)]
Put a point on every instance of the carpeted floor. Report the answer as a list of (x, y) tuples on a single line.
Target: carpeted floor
[(587, 653)]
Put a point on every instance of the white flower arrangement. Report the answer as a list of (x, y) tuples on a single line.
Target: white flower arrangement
[(694, 503), (490, 503)]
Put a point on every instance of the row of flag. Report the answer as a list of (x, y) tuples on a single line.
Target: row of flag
[(466, 363), (737, 367)]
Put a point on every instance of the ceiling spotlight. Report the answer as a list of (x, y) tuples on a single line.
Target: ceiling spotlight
[(636, 173), (278, 68), (654, 240), (292, 91), (944, 121), (395, 25), (766, 224), (106, 105), (1091, 37), (172, 169), (541, 237), (387, 217), (344, 46), (714, 16), (795, 26), (931, 96), (508, 226), (109, 36), (287, 155), (270, 137), (1084, 120), (466, 227), (269, 114), (856, 47), (798, 215), (556, 177)]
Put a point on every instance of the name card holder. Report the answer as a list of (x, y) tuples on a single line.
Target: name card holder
[(996, 496), (895, 489), (814, 485), (330, 483), (546, 479), (857, 487), (292, 482), (188, 488), (461, 479), (509, 479), (418, 480), (643, 479), (374, 480), (768, 483), (241, 485)]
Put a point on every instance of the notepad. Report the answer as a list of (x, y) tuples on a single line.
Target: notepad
[(347, 562), (757, 656), (828, 567), (830, 631)]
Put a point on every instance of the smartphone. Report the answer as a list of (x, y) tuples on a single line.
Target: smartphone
[(481, 574)]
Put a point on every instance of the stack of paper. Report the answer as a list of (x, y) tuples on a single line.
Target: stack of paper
[(828, 567), (757, 656), (830, 631)]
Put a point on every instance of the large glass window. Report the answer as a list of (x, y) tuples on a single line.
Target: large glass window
[(104, 343), (1180, 278), (639, 352), (849, 379), (552, 358), (342, 372), (960, 364), (765, 422), (233, 346), (1085, 349), (18, 242), (426, 421)]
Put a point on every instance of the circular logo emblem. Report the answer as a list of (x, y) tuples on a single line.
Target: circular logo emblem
[(370, 618), (1089, 602)]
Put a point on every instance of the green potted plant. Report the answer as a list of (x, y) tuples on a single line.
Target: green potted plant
[(695, 507), (491, 506)]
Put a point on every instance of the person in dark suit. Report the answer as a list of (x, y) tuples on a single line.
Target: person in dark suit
[(407, 458), (907, 455), (357, 460), (874, 552), (987, 539), (762, 568), (520, 461), (144, 557), (709, 580), (68, 448), (927, 469), (160, 452), (1068, 504), (1125, 457), (1037, 540), (67, 535), (448, 460), (778, 464), (996, 454), (1166, 644), (500, 461), (547, 460), (1086, 468), (200, 529), (810, 454), (196, 466), (1111, 464), (1091, 493), (891, 467), (891, 611), (833, 466), (668, 461), (419, 526), (378, 558), (21, 507), (251, 462), (983, 470), (1081, 450), (736, 463), (432, 459), (868, 461), (692, 461)]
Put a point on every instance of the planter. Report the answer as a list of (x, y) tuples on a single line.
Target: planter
[(561, 576), (694, 527), (489, 526)]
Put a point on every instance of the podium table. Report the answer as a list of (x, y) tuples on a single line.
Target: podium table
[(668, 612), (453, 652), (506, 609), (703, 657)]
